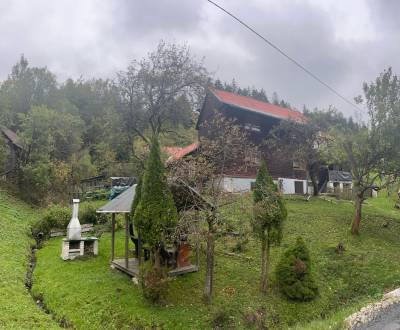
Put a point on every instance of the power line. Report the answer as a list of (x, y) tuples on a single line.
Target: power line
[(280, 51)]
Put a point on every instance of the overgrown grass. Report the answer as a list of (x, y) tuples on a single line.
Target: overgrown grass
[(88, 294), (17, 308)]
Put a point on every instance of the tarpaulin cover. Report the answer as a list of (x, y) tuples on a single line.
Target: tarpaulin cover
[(340, 176)]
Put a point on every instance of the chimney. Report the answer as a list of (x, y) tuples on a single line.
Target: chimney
[(74, 227)]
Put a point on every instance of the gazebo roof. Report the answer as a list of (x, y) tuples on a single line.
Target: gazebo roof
[(120, 204)]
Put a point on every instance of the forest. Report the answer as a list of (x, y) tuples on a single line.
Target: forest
[(79, 128)]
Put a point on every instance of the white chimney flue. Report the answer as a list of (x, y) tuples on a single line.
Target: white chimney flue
[(74, 227)]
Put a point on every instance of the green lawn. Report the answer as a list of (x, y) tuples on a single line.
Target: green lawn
[(88, 294), (17, 308)]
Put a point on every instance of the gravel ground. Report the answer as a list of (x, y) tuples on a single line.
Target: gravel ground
[(389, 319)]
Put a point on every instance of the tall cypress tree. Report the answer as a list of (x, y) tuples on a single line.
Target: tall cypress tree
[(155, 212)]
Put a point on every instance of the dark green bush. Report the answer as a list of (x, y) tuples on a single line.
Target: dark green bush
[(155, 286), (99, 194), (87, 214), (294, 275), (55, 216)]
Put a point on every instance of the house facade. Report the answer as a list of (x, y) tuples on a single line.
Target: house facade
[(258, 118)]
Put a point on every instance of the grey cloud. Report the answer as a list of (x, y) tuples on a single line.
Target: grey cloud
[(95, 38)]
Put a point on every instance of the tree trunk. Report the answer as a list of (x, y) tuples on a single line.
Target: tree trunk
[(314, 180), (357, 217), (157, 260), (315, 185), (208, 285), (264, 264)]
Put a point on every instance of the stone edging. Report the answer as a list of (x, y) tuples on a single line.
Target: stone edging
[(371, 311)]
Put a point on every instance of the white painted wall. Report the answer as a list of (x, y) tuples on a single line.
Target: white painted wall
[(231, 184), (288, 185), (236, 185)]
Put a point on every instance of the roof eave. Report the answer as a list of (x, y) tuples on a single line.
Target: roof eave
[(252, 109)]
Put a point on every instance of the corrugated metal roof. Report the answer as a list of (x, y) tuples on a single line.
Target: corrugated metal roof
[(120, 204)]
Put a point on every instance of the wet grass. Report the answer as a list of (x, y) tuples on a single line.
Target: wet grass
[(88, 294), (17, 308)]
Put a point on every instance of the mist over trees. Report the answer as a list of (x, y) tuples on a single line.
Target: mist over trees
[(80, 128)]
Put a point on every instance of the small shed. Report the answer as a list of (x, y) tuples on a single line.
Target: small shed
[(15, 150), (122, 205)]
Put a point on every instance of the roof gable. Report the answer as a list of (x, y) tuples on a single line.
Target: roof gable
[(250, 104), (11, 136)]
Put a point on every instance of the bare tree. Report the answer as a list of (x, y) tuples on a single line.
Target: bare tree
[(151, 90), (226, 148)]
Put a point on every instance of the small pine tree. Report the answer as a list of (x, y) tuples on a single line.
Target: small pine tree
[(269, 214), (155, 212), (294, 275), (263, 184)]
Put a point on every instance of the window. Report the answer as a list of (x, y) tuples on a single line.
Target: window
[(296, 165), (252, 185), (252, 128), (299, 187)]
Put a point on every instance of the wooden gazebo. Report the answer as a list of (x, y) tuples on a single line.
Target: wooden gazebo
[(122, 205)]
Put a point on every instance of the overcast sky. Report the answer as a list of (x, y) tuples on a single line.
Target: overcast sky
[(343, 42)]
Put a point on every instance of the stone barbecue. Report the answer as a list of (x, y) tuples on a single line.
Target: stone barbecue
[(74, 245)]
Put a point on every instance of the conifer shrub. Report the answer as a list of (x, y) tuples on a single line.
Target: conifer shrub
[(294, 274), (269, 213), (155, 215), (155, 212)]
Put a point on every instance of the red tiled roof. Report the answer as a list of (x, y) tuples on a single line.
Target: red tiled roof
[(176, 153), (251, 104)]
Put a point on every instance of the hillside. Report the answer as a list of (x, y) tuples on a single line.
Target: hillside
[(18, 310), (367, 268)]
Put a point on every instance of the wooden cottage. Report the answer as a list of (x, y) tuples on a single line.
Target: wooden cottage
[(258, 118)]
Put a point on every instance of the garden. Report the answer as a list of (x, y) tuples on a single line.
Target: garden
[(88, 294)]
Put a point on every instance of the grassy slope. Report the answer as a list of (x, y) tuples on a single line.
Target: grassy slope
[(18, 311), (97, 297)]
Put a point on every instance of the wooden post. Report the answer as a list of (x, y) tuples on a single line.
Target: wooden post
[(197, 239), (139, 248), (112, 236), (126, 239)]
